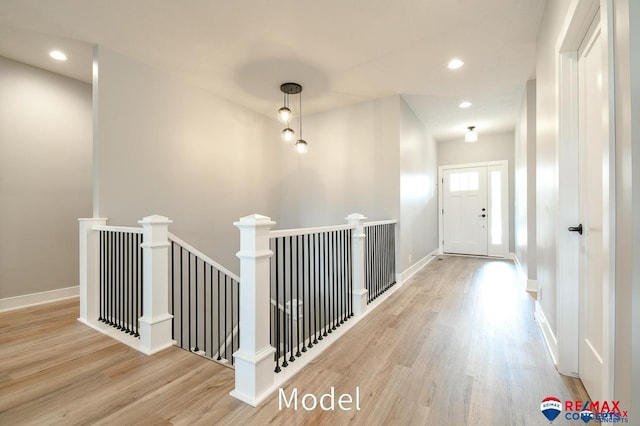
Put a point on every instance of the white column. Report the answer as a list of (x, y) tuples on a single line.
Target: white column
[(155, 323), (254, 358), (89, 269), (358, 290)]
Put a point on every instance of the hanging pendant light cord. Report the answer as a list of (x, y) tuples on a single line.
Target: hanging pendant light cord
[(300, 115)]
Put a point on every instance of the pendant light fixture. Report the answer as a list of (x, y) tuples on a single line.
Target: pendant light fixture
[(471, 135), (285, 115)]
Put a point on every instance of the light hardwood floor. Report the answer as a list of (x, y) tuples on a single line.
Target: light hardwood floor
[(456, 345)]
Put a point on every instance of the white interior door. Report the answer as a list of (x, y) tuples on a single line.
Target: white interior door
[(593, 142), (465, 210)]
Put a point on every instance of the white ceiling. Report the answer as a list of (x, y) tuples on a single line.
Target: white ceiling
[(342, 52)]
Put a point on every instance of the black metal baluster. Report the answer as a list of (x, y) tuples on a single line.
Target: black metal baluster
[(374, 259), (291, 261), (127, 246), (120, 279), (114, 286), (211, 305), (341, 274), (182, 297), (140, 286), (136, 243), (310, 289), (276, 330), (116, 280), (226, 333), (173, 294), (219, 321), (204, 306), (195, 266), (366, 263), (332, 285), (189, 297), (316, 285), (383, 258), (102, 263), (132, 248), (388, 255), (298, 270), (237, 286), (350, 273), (285, 362), (129, 286), (325, 264), (231, 316), (305, 262)]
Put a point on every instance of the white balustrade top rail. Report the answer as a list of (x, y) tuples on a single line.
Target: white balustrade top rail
[(128, 229), (306, 231), (203, 256)]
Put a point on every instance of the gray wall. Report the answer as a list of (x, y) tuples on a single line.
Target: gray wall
[(165, 147), (525, 183), (494, 147), (418, 190), (352, 166), (45, 177)]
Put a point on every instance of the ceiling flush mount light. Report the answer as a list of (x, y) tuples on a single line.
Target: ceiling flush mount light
[(471, 135), (454, 64), (285, 115), (58, 55), (465, 104)]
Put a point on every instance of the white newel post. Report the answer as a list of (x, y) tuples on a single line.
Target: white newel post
[(155, 323), (254, 375), (89, 269), (358, 291)]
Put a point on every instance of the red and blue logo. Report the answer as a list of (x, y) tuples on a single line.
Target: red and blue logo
[(551, 407), (608, 411)]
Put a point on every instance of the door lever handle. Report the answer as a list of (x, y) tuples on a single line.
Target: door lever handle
[(577, 229)]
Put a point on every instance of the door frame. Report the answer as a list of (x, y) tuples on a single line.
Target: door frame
[(579, 18), (507, 213)]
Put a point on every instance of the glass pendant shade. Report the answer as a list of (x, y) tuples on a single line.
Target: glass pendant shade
[(471, 135), (284, 114), (288, 134), (301, 146)]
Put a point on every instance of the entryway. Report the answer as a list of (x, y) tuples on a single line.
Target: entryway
[(474, 200)]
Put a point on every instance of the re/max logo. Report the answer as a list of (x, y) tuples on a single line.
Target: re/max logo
[(595, 407)]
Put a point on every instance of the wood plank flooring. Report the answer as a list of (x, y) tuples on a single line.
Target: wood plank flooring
[(456, 345)]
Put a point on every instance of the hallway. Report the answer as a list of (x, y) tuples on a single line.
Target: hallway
[(457, 344)]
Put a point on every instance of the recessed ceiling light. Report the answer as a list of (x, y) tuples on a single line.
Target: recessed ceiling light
[(454, 64), (58, 55), (465, 104)]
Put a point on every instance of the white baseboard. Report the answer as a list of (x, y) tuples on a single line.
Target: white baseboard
[(411, 270), (26, 300), (547, 333), (521, 274), (528, 284)]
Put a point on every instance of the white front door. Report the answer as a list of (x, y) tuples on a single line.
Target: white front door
[(593, 143), (465, 210)]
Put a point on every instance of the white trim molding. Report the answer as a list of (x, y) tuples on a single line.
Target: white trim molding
[(413, 269), (27, 300), (549, 337), (527, 283)]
